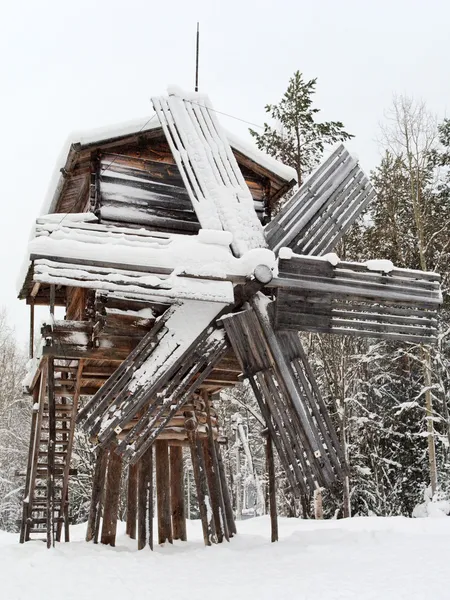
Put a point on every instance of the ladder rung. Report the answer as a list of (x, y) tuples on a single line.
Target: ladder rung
[(45, 453), (42, 521)]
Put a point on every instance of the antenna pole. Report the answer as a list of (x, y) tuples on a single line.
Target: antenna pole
[(196, 57)]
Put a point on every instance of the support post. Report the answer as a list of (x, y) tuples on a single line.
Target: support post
[(163, 491), (212, 449), (31, 348), (111, 500), (213, 492), (97, 493), (33, 433), (272, 490), (198, 468), (226, 493), (318, 505), (132, 501), (145, 499), (177, 493), (51, 454)]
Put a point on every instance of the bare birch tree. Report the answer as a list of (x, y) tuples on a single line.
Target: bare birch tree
[(411, 134)]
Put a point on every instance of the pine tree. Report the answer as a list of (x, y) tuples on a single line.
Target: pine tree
[(296, 138)]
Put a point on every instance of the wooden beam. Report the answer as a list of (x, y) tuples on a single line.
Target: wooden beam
[(272, 490), (145, 500), (198, 468), (177, 493), (163, 492), (132, 501), (111, 499)]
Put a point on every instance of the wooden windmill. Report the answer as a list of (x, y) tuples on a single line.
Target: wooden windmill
[(237, 289)]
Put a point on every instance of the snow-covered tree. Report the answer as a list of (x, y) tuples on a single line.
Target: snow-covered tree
[(296, 137)]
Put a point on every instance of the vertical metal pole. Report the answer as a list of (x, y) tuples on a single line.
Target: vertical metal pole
[(196, 56)]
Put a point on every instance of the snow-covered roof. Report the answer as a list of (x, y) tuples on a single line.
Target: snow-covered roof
[(82, 139)]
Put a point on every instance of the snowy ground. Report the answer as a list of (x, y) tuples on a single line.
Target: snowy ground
[(359, 558)]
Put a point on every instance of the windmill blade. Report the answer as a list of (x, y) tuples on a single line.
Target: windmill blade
[(369, 300), (324, 207), (166, 362), (213, 179), (288, 396)]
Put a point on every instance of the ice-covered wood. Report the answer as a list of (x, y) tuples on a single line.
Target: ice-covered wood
[(215, 184), (324, 207)]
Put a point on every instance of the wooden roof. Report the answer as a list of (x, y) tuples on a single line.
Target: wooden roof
[(69, 192)]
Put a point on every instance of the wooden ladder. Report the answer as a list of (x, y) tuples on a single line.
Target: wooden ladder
[(46, 502)]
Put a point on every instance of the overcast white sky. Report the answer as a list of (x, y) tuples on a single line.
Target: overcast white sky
[(68, 66)]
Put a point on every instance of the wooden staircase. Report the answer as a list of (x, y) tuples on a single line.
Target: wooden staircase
[(45, 504)]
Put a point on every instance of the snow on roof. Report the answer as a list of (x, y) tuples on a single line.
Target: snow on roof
[(263, 159), (144, 124)]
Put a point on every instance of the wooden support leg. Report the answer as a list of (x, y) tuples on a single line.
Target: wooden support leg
[(216, 482), (111, 501), (24, 535), (198, 468), (163, 491), (66, 518), (177, 493), (226, 494), (145, 499), (97, 493), (272, 490), (150, 497), (51, 455), (132, 501), (318, 505), (214, 492)]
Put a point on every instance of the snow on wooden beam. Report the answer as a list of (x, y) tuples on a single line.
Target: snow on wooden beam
[(78, 253), (212, 177), (370, 300), (324, 207), (288, 396), (137, 285)]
